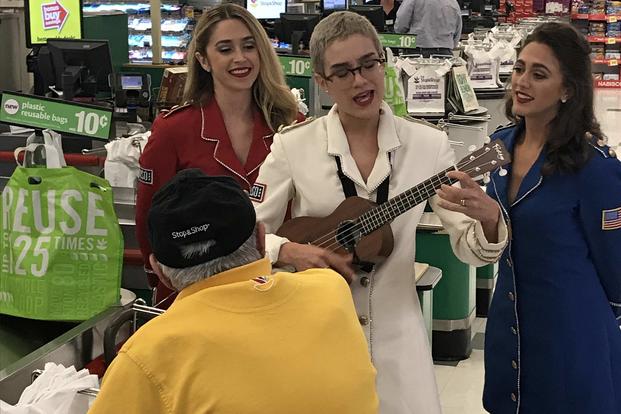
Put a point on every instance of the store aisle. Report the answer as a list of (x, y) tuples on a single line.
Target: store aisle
[(461, 384)]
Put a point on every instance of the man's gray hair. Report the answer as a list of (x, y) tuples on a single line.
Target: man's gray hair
[(339, 26), (182, 278)]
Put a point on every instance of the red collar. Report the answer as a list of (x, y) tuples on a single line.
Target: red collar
[(213, 129)]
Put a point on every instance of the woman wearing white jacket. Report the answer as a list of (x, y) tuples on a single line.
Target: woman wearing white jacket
[(377, 153)]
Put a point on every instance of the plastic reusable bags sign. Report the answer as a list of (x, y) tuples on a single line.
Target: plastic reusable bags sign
[(61, 247)]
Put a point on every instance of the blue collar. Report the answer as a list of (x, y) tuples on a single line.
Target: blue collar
[(531, 181)]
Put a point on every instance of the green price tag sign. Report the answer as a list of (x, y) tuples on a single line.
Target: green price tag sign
[(61, 116), (296, 66), (398, 40)]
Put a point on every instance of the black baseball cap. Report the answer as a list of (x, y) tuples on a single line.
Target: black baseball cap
[(197, 208)]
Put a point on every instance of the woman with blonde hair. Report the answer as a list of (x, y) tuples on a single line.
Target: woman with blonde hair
[(235, 99), (362, 149)]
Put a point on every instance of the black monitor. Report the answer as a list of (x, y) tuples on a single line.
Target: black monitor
[(266, 10), (81, 67), (328, 5), (297, 28), (375, 14), (477, 6)]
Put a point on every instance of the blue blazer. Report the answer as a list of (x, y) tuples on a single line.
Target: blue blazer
[(553, 339)]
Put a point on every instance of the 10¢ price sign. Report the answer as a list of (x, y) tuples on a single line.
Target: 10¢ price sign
[(61, 116), (296, 66), (404, 41)]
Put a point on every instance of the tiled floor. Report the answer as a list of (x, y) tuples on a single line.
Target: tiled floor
[(461, 386)]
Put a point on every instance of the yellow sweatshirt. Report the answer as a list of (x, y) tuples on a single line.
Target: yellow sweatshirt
[(237, 343)]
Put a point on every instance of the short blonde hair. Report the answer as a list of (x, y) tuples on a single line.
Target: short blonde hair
[(270, 91), (338, 26)]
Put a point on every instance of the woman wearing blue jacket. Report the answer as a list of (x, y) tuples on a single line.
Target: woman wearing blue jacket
[(553, 340)]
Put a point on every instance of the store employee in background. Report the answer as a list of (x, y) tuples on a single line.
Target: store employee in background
[(390, 11), (237, 339), (436, 24), (236, 98)]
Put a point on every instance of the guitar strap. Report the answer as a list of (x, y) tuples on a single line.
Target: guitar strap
[(349, 188)]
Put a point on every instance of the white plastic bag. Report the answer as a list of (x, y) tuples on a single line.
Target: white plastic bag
[(122, 167), (55, 391), (49, 152)]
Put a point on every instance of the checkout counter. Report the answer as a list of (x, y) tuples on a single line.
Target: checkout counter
[(27, 345)]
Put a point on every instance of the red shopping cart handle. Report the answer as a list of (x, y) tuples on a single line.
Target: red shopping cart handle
[(75, 160)]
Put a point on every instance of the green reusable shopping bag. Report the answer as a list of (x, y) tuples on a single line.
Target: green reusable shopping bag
[(393, 90), (61, 245)]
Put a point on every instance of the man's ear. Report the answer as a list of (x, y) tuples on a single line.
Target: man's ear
[(323, 84), (157, 268), (261, 238)]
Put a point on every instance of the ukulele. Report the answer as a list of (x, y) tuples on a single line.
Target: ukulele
[(362, 227)]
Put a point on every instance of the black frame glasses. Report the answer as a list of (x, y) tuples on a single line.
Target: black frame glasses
[(345, 75)]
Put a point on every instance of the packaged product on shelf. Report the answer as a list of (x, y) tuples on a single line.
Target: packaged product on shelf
[(597, 52), (597, 29), (611, 76), (584, 8), (613, 52), (613, 8), (598, 75), (427, 88), (171, 88), (174, 25), (614, 29), (188, 11), (482, 68)]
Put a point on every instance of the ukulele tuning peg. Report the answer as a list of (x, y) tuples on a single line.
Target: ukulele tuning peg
[(487, 140), (486, 178), (502, 172)]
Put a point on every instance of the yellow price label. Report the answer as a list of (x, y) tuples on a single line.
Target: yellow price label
[(613, 62), (612, 19), (611, 41)]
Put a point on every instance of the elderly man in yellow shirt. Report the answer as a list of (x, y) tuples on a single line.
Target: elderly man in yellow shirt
[(238, 339)]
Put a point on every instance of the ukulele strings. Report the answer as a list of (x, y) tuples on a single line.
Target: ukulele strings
[(334, 244), (330, 237)]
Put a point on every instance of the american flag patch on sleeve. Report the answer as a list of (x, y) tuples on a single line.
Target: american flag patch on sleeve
[(611, 219)]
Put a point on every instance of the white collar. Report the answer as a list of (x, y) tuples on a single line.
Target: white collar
[(388, 141)]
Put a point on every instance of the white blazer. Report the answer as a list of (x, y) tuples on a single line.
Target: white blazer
[(301, 168)]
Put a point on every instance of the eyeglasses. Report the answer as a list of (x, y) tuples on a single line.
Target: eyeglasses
[(344, 76)]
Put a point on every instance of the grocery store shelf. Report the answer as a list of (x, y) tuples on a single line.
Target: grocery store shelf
[(607, 62), (607, 40), (610, 18)]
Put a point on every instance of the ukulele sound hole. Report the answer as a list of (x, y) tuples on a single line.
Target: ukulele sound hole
[(348, 234)]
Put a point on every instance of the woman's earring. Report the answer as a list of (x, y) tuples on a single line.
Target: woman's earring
[(563, 99)]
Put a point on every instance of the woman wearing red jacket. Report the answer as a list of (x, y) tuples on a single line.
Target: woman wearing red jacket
[(236, 98)]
